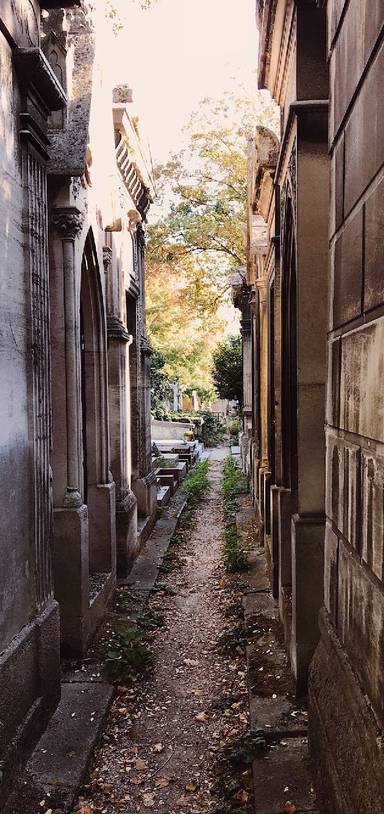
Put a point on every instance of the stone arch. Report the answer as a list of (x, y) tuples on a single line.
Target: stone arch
[(93, 396)]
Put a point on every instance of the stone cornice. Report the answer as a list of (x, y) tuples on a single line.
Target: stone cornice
[(117, 330), (138, 191), (33, 69), (47, 4), (313, 115), (68, 222)]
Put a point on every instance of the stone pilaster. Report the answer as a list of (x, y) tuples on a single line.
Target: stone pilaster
[(68, 223), (264, 468)]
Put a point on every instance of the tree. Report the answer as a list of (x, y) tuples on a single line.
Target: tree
[(228, 369), (179, 328), (197, 240), (161, 390), (203, 189)]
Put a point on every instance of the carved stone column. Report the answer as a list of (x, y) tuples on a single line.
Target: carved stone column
[(68, 223)]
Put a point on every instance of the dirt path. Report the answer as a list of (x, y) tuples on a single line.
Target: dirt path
[(166, 730)]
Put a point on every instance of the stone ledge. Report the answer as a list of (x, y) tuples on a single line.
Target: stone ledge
[(61, 758)]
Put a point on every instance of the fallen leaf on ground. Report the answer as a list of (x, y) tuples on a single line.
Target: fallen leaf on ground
[(191, 787), (148, 800), (162, 782), (140, 764), (289, 808), (158, 747), (242, 796), (182, 801), (137, 780), (85, 809), (191, 662), (201, 716)]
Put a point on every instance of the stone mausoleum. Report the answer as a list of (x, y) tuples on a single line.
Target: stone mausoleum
[(311, 299), (78, 492)]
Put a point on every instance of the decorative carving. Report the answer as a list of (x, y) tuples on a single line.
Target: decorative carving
[(107, 258), (68, 222), (77, 184)]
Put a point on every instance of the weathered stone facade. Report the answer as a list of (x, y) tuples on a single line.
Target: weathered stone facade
[(287, 257), (75, 442), (347, 673), (315, 276)]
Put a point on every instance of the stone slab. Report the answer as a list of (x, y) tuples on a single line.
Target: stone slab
[(167, 480), (163, 495), (59, 763), (257, 576), (278, 717), (256, 604), (283, 775)]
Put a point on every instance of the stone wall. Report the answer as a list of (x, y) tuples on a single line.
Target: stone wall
[(73, 203), (287, 270), (346, 683), (29, 620)]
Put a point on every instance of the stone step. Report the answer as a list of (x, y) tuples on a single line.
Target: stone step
[(58, 765), (282, 776), (167, 480), (163, 496), (178, 470)]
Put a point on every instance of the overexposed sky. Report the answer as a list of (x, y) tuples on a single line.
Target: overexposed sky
[(178, 52)]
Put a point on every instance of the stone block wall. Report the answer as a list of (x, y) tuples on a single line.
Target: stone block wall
[(350, 659)]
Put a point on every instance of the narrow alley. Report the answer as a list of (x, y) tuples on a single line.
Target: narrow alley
[(179, 737), (192, 409), (165, 730)]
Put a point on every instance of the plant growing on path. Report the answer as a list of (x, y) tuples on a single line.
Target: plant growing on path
[(197, 484), (235, 550), (127, 652)]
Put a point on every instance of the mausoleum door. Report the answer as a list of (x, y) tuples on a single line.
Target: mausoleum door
[(289, 353)]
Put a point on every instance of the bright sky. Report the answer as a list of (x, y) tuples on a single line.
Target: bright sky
[(179, 51)]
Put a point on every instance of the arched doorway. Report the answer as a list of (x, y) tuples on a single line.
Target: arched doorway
[(93, 396)]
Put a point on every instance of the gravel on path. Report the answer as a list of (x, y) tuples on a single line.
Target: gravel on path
[(166, 730)]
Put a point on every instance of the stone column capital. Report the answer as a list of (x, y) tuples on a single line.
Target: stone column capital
[(68, 222)]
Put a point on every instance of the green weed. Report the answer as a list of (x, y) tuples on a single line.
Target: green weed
[(234, 484), (197, 483), (127, 652)]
